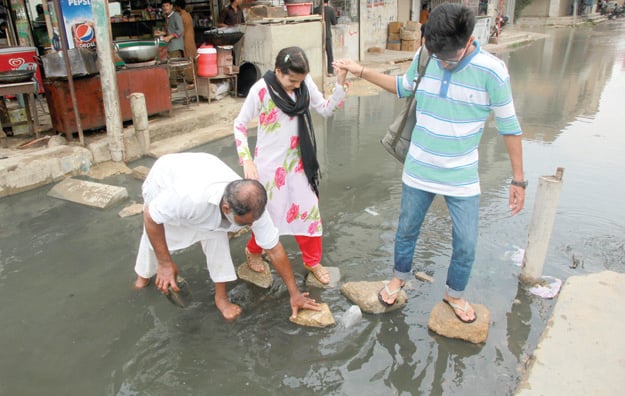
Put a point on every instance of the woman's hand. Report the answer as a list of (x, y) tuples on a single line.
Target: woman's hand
[(348, 65), (249, 170), (341, 75)]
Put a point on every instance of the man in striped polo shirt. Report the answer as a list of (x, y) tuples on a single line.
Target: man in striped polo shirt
[(460, 87)]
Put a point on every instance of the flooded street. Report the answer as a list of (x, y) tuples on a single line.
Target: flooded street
[(73, 325)]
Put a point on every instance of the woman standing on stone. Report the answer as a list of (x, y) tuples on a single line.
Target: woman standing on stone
[(285, 159)]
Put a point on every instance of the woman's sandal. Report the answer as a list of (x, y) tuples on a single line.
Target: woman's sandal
[(255, 261), (319, 272)]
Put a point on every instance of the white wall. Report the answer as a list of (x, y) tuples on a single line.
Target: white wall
[(264, 41), (345, 41)]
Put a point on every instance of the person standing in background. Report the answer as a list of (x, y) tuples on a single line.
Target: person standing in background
[(423, 17), (174, 37), (190, 49), (329, 18), (233, 16)]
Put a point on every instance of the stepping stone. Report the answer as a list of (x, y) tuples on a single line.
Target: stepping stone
[(260, 279), (140, 172), (310, 318), (335, 277), (443, 321), (424, 277), (365, 295), (88, 193), (131, 210)]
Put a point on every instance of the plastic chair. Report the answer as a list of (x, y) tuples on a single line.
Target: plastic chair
[(32, 66)]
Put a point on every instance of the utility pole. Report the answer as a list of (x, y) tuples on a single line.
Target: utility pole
[(108, 79)]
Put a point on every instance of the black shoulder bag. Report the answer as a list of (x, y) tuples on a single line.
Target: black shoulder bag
[(397, 138)]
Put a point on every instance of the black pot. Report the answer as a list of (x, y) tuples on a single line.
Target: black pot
[(223, 36), (16, 76)]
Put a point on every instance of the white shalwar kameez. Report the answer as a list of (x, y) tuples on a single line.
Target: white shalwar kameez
[(183, 192)]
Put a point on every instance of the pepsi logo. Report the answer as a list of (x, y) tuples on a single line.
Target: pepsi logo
[(84, 33)]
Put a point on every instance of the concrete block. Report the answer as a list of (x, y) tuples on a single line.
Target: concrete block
[(88, 193)]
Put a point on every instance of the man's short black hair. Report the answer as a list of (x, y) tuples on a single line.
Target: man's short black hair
[(448, 29), (245, 196), (181, 3)]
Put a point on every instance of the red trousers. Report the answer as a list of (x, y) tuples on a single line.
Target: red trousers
[(310, 246)]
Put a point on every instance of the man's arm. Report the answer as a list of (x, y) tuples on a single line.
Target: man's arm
[(167, 269), (281, 263), (515, 152)]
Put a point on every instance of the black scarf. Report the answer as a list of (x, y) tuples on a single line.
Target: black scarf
[(300, 108)]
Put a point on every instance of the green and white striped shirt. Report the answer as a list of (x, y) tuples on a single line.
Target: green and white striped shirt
[(452, 109)]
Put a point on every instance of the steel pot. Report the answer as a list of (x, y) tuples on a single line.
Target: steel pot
[(136, 51)]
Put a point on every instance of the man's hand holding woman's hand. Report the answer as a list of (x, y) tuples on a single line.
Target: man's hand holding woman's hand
[(347, 65)]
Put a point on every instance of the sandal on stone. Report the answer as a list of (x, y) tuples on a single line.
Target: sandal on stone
[(390, 294), (462, 308), (255, 261), (319, 272)]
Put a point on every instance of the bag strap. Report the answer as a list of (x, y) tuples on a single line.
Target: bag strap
[(422, 64)]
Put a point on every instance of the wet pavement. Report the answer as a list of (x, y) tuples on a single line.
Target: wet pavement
[(73, 325)]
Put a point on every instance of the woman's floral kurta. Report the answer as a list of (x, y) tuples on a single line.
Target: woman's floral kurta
[(293, 206)]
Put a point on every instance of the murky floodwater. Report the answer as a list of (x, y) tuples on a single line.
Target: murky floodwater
[(72, 325)]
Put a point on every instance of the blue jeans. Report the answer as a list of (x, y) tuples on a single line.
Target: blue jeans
[(464, 212)]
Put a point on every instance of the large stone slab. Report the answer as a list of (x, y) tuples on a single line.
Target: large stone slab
[(582, 349), (335, 277), (88, 193), (310, 318), (365, 295), (260, 279), (443, 321)]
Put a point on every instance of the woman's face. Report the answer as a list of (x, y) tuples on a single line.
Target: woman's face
[(290, 81)]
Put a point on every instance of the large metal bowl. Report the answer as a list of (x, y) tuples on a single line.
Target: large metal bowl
[(16, 76), (137, 51)]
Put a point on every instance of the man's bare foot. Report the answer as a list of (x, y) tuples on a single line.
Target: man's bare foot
[(141, 282), (462, 309), (229, 310), (255, 261)]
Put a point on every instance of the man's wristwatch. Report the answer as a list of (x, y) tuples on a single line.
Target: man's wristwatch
[(522, 184)]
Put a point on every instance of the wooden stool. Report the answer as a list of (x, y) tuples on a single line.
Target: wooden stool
[(178, 67), (27, 88)]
